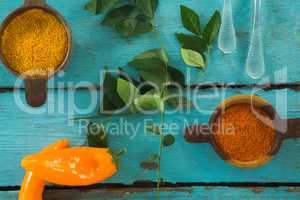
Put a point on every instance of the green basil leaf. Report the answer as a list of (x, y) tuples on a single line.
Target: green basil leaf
[(111, 100), (97, 136), (98, 6), (160, 54), (192, 58), (191, 42), (180, 102), (128, 21), (176, 76), (168, 140), (134, 24), (123, 74), (107, 107), (190, 20), (142, 27), (108, 4), (118, 15), (211, 31), (145, 87), (149, 102), (133, 18), (94, 6), (149, 68), (127, 91), (127, 27), (147, 7)]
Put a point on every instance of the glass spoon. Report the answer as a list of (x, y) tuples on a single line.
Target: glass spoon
[(227, 37), (255, 64)]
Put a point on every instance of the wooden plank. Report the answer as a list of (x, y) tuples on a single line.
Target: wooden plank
[(185, 193), (23, 133), (97, 46)]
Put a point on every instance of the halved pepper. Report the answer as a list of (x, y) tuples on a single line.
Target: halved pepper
[(57, 164)]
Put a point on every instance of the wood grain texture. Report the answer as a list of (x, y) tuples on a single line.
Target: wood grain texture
[(189, 193), (96, 46), (22, 133)]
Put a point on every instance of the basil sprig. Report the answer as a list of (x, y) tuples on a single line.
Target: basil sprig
[(154, 69), (195, 46), (134, 17)]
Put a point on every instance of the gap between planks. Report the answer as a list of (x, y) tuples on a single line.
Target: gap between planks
[(152, 185), (267, 87)]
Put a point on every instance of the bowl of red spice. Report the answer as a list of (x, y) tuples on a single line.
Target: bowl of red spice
[(245, 130)]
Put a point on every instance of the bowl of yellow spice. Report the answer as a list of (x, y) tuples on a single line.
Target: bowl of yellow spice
[(245, 130), (35, 43)]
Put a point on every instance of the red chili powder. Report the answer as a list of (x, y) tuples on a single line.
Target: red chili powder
[(241, 133)]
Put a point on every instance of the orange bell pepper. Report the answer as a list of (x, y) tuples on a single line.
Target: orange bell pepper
[(32, 186), (78, 166)]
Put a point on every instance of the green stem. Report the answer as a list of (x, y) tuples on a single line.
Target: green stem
[(117, 154), (161, 137)]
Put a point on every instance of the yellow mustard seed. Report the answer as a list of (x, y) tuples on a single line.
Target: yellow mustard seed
[(34, 43)]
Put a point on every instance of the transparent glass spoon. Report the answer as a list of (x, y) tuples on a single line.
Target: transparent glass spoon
[(255, 63), (227, 36)]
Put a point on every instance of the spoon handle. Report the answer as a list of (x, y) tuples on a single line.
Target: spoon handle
[(227, 37), (198, 134), (36, 92), (293, 128), (255, 64)]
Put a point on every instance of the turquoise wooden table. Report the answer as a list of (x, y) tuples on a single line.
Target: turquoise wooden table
[(190, 171)]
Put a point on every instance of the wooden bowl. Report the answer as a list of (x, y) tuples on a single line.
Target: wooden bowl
[(284, 129), (36, 88)]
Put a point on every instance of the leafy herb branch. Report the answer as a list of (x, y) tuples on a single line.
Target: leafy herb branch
[(195, 46), (155, 89), (134, 17), (124, 94)]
